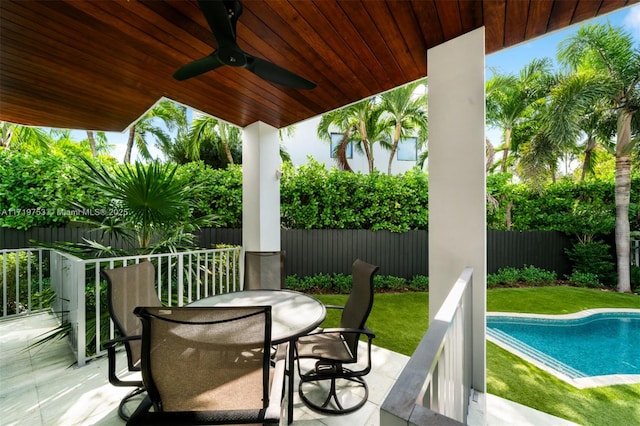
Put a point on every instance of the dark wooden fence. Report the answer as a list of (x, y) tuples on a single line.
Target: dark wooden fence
[(314, 251)]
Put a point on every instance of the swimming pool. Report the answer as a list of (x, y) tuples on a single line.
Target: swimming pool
[(590, 343)]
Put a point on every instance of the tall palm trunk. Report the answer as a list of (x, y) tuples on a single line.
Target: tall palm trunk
[(588, 152), (365, 144), (341, 153), (394, 148), (127, 153), (92, 143), (507, 145), (6, 141), (224, 138), (622, 196)]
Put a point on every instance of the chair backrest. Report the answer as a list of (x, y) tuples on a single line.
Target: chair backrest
[(206, 358), (129, 287), (264, 269), (360, 301)]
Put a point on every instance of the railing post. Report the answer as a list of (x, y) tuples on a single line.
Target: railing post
[(17, 282), (180, 278), (81, 338), (4, 285)]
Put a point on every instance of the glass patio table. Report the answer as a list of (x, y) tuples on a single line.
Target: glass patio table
[(293, 314)]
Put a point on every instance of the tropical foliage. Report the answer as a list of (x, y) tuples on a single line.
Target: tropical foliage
[(379, 121), (145, 206)]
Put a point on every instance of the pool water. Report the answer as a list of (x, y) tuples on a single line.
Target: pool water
[(600, 344)]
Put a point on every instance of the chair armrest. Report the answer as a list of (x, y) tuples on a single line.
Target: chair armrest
[(111, 343), (274, 410), (111, 355), (364, 331), (333, 307)]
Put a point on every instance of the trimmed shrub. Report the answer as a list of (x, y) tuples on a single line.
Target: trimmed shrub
[(595, 258), (584, 279), (419, 283), (533, 275)]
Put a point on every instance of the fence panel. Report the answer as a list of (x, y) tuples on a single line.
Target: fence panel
[(314, 251), (542, 249)]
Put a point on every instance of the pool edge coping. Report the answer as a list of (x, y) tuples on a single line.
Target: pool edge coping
[(579, 383)]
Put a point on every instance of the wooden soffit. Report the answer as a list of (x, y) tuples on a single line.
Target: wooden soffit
[(102, 64)]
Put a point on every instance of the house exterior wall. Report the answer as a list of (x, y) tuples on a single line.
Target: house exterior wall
[(305, 142)]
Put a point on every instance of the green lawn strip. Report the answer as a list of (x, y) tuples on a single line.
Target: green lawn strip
[(510, 377), (556, 300), (400, 321)]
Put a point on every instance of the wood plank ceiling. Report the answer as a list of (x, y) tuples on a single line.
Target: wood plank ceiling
[(101, 64)]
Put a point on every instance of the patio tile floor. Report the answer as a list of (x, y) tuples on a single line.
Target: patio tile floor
[(41, 386)]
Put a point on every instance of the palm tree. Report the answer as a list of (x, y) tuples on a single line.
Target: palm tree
[(222, 135), (14, 136), (351, 121), (376, 129), (407, 113), (98, 143), (609, 53), (171, 114), (509, 97)]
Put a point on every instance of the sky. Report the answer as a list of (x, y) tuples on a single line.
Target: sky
[(508, 61)]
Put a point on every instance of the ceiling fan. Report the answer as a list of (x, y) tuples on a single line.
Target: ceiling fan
[(222, 17)]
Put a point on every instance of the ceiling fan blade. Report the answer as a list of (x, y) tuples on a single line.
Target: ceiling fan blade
[(197, 67), (217, 14), (276, 74)]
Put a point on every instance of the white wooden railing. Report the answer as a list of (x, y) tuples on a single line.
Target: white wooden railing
[(181, 278), (435, 386), (23, 274)]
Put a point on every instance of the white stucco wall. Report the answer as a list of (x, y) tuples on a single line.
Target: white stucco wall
[(457, 180), (305, 142)]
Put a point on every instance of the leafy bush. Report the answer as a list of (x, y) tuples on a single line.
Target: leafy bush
[(508, 276), (340, 283), (388, 282), (533, 275), (594, 257), (419, 283), (36, 189), (584, 279), (315, 198), (529, 274)]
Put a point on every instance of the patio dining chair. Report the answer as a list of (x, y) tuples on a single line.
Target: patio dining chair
[(209, 365), (128, 287), (330, 386)]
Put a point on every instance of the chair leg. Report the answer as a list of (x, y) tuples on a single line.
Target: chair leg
[(125, 400), (332, 394)]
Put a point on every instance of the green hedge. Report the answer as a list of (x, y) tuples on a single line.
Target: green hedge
[(315, 198), (341, 284)]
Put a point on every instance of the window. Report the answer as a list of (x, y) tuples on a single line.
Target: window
[(407, 149), (336, 138)]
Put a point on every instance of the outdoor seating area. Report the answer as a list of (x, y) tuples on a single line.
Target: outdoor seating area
[(42, 386)]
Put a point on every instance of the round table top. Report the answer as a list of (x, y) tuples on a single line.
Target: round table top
[(293, 314)]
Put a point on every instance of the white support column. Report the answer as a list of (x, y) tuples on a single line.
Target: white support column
[(457, 189), (260, 188)]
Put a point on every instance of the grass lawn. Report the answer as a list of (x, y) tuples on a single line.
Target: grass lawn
[(400, 321)]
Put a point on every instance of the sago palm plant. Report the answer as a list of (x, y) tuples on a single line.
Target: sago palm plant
[(147, 208)]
